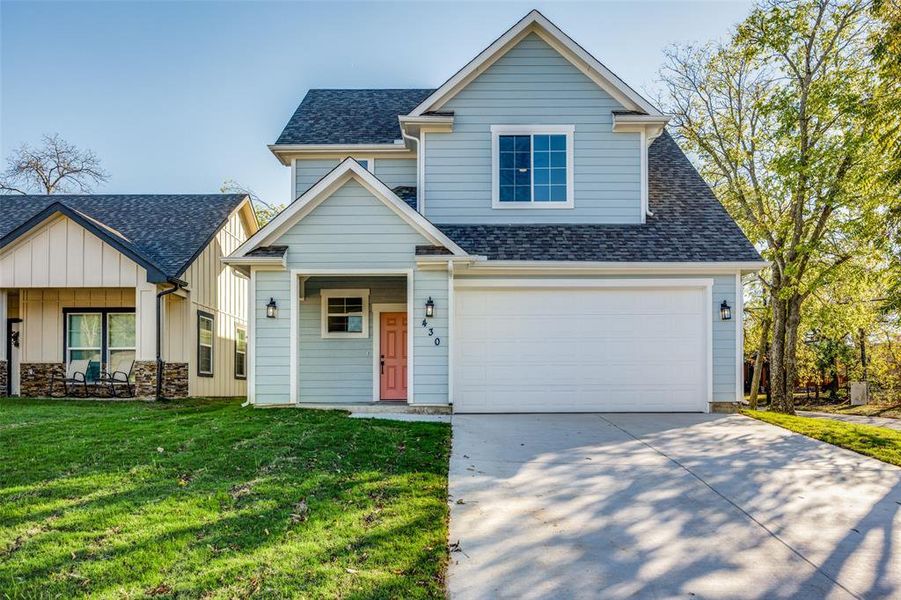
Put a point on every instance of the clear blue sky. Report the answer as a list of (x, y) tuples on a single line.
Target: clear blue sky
[(176, 97)]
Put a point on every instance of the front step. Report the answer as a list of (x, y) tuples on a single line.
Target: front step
[(379, 407)]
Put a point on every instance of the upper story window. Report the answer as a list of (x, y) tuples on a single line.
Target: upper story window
[(532, 166)]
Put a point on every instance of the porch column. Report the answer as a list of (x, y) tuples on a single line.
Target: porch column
[(145, 338), (4, 359)]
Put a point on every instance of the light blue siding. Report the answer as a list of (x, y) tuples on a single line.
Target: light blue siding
[(430, 360), (724, 336), (533, 85), (340, 370), (350, 230), (392, 171), (396, 171), (271, 344), (311, 170)]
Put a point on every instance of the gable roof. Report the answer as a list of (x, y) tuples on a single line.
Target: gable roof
[(334, 179), (162, 233), (368, 116), (537, 23), (688, 225)]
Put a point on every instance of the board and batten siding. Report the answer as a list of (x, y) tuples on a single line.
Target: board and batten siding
[(351, 229), (62, 253), (723, 332), (532, 85), (340, 369), (43, 324), (393, 172), (215, 289)]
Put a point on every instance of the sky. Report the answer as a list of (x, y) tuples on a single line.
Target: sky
[(177, 97)]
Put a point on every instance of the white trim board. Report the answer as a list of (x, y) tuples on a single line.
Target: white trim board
[(537, 23), (345, 171), (376, 311)]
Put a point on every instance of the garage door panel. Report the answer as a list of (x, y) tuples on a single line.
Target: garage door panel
[(562, 350)]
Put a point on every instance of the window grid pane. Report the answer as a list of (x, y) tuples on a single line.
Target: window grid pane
[(515, 168), (345, 314), (550, 168)]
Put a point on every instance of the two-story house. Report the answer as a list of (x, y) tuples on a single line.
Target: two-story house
[(524, 238)]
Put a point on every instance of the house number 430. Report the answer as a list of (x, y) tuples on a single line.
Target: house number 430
[(431, 332)]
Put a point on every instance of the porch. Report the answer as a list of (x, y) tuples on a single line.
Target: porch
[(100, 330), (352, 340)]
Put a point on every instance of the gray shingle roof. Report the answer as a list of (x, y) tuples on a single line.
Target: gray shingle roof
[(350, 116), (406, 193), (269, 251), (163, 233), (689, 225)]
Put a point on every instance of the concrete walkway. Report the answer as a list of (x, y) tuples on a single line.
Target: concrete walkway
[(666, 506), (858, 419)]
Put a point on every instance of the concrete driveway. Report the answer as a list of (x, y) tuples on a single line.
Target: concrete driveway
[(666, 506)]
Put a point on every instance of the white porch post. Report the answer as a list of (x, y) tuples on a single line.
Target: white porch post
[(4, 303), (145, 321)]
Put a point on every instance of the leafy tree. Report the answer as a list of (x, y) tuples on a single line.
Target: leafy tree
[(56, 166), (778, 119), (263, 210)]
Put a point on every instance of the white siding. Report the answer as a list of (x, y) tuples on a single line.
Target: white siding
[(62, 253)]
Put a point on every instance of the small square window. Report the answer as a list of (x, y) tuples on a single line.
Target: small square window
[(345, 313)]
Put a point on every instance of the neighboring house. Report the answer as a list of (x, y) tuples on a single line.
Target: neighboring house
[(571, 257), (106, 277)]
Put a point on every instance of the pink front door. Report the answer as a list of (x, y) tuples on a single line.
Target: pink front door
[(393, 356)]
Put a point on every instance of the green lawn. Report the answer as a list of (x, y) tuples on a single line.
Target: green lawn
[(878, 442), (204, 498)]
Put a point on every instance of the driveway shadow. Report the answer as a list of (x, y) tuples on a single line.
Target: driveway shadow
[(663, 506)]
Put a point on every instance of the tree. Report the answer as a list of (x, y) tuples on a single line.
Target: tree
[(777, 117), (55, 167), (263, 210)]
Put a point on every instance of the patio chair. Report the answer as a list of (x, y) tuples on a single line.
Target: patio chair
[(119, 375), (76, 375)]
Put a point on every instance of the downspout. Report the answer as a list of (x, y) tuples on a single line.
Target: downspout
[(419, 190), (176, 285)]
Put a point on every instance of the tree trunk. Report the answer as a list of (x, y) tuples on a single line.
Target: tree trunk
[(863, 353), (758, 362), (783, 362)]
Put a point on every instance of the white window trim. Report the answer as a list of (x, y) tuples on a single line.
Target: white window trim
[(212, 320), (499, 130), (109, 347), (324, 296), (235, 373)]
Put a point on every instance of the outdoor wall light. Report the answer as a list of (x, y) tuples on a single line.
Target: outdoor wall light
[(725, 311), (271, 309), (429, 308)]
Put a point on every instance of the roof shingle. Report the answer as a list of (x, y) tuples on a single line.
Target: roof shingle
[(167, 231), (368, 116)]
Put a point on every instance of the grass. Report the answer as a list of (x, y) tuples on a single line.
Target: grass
[(877, 442), (890, 411), (206, 499)]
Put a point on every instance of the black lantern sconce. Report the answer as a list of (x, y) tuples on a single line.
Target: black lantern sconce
[(429, 308), (271, 309), (725, 311)]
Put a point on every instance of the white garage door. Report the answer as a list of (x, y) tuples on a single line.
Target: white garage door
[(588, 349)]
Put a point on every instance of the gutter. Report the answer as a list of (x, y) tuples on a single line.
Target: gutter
[(419, 189), (177, 284)]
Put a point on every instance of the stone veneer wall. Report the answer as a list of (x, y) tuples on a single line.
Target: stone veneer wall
[(34, 378), (175, 379), (4, 375)]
